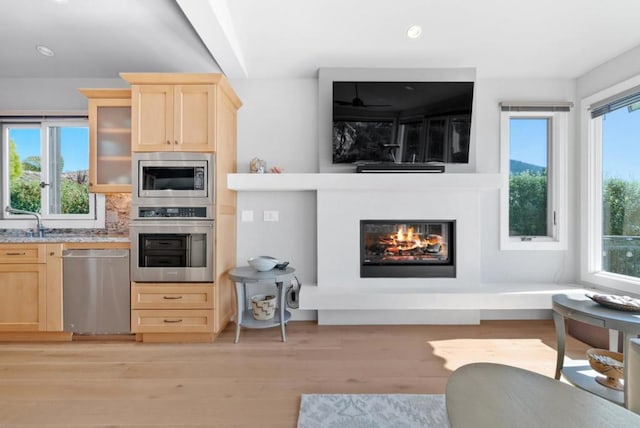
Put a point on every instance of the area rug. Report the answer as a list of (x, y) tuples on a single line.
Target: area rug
[(372, 411)]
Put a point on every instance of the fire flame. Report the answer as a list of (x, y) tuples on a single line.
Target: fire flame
[(405, 240), (409, 240)]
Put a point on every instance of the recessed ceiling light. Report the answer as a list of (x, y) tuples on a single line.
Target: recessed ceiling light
[(43, 50), (414, 31)]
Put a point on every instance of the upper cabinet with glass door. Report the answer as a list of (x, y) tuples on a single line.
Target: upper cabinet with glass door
[(176, 112), (110, 140)]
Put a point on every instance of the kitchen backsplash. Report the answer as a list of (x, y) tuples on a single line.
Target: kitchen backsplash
[(118, 207)]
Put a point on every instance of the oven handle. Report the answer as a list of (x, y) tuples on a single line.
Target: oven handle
[(163, 224), (188, 251)]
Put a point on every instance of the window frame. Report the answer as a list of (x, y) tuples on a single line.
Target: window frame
[(557, 176), (96, 216), (591, 192)]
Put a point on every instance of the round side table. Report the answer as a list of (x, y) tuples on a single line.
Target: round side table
[(244, 316)]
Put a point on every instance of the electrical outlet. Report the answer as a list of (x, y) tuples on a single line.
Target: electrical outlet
[(246, 216), (271, 216)]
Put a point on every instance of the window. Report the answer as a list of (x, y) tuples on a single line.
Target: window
[(613, 187), (411, 141), (45, 170), (533, 204)]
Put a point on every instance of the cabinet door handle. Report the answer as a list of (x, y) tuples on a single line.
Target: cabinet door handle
[(172, 297), (14, 254), (172, 321), (175, 142), (168, 142)]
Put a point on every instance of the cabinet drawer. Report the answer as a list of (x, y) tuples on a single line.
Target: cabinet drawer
[(172, 321), (171, 296), (579, 316), (22, 253)]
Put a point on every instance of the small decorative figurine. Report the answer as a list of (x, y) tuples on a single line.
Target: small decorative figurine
[(257, 166)]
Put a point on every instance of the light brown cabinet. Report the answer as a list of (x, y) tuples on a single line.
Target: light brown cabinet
[(30, 287), (197, 113), (110, 140), (173, 117), (172, 308)]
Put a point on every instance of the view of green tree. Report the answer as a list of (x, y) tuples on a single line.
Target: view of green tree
[(620, 217), (75, 197), (621, 227), (621, 208), (528, 204), (25, 194), (25, 190), (15, 166), (31, 163)]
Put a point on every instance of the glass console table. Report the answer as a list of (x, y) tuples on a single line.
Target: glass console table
[(581, 308)]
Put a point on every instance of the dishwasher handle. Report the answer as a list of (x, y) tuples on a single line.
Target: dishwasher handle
[(91, 254)]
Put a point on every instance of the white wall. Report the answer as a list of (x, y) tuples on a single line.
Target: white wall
[(50, 94), (616, 70), (521, 266), (278, 122)]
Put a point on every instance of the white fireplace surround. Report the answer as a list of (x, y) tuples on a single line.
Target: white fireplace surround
[(342, 297), (339, 215)]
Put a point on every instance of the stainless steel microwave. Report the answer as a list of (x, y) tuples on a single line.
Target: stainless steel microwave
[(171, 178)]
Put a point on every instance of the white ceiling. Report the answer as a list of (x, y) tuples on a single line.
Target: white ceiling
[(98, 38), (293, 38)]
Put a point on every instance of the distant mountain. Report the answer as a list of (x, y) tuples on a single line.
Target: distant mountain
[(518, 167)]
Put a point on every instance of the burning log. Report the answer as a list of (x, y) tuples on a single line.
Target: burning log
[(408, 245)]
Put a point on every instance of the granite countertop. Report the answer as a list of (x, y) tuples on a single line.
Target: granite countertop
[(64, 235)]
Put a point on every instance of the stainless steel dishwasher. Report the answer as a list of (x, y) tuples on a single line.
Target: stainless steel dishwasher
[(96, 291)]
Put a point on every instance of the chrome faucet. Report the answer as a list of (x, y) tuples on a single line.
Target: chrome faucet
[(39, 230)]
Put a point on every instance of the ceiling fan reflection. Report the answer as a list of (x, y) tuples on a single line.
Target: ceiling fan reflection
[(358, 102)]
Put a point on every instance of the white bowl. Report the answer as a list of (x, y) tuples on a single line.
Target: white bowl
[(263, 263)]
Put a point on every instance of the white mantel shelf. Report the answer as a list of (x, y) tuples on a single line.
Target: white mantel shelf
[(364, 181)]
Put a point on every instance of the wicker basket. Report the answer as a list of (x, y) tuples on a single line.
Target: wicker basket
[(263, 306), (609, 364)]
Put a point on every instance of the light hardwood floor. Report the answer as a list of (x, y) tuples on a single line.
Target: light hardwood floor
[(255, 383)]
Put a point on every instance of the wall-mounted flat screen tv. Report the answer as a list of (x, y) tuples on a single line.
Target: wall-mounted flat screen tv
[(401, 122)]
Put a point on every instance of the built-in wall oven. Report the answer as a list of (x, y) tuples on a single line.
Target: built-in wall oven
[(172, 251), (172, 217)]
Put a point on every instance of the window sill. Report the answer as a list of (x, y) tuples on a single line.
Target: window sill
[(533, 245), (617, 283)]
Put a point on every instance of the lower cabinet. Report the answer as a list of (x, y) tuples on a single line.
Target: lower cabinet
[(172, 308), (171, 320), (23, 294), (30, 287)]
